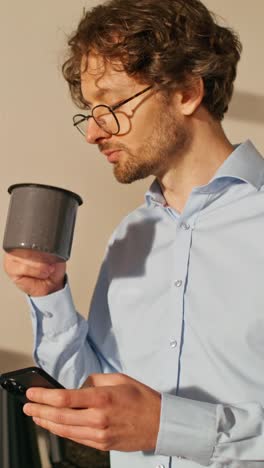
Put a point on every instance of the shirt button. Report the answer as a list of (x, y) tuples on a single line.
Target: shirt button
[(42, 363), (178, 283), (47, 314), (185, 226), (173, 344)]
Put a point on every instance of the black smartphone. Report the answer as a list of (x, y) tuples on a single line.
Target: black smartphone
[(17, 382)]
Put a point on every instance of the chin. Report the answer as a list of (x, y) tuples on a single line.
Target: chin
[(128, 173), (124, 179), (128, 177)]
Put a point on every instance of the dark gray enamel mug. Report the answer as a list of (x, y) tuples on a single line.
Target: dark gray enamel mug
[(41, 218)]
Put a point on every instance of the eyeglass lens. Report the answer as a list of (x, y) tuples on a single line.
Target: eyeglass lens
[(105, 119)]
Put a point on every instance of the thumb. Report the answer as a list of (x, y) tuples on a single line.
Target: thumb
[(107, 380)]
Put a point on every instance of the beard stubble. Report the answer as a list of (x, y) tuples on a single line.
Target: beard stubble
[(170, 139)]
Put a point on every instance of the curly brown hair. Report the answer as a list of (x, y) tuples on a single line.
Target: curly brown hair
[(163, 43)]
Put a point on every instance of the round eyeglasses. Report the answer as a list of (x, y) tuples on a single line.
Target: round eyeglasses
[(105, 117)]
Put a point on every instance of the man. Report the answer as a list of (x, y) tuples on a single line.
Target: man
[(173, 346)]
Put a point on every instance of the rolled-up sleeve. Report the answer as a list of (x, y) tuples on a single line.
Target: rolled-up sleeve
[(207, 433)]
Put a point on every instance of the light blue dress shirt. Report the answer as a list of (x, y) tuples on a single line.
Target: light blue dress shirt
[(179, 305)]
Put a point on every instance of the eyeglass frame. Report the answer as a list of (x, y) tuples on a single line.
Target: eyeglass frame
[(112, 111)]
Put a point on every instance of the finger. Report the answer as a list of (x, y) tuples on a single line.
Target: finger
[(81, 398), (18, 269), (69, 417), (30, 257), (73, 432), (103, 380), (27, 257)]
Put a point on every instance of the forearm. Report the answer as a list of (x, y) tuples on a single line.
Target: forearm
[(207, 433)]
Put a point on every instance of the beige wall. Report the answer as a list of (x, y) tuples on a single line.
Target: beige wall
[(38, 143)]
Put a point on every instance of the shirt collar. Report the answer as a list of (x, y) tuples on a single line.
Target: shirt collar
[(245, 163)]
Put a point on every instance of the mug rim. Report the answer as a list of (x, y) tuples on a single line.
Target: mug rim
[(52, 187)]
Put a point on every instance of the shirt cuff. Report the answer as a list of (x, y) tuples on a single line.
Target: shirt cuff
[(187, 429), (56, 311)]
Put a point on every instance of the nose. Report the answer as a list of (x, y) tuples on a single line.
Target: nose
[(95, 133)]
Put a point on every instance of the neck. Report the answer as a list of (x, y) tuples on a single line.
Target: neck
[(207, 151)]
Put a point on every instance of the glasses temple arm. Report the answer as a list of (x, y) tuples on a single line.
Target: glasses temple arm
[(116, 106)]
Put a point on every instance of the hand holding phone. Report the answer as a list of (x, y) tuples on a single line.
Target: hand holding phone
[(17, 382)]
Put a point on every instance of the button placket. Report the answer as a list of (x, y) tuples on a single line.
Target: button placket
[(181, 262)]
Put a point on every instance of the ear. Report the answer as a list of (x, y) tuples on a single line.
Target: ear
[(190, 99)]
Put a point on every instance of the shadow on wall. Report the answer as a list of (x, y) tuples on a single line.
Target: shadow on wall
[(10, 360), (247, 107)]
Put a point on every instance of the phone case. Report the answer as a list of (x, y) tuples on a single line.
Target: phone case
[(17, 382)]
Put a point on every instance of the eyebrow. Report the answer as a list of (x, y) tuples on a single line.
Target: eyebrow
[(101, 93)]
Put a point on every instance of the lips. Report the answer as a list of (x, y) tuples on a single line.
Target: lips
[(112, 155)]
